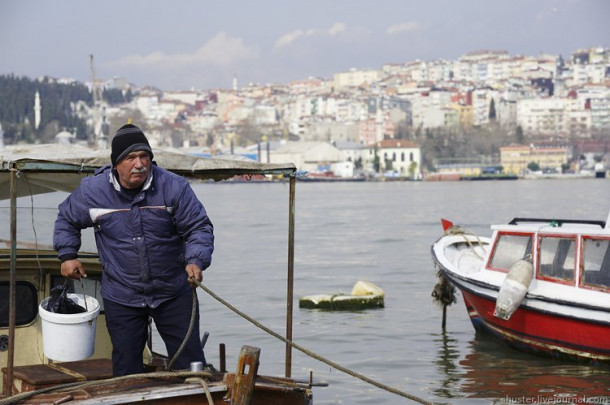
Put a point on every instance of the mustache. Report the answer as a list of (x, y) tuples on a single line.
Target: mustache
[(141, 170)]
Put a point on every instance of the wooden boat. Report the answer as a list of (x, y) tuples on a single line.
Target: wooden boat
[(364, 295), (27, 274), (541, 285)]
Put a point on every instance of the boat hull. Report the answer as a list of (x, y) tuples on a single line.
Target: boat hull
[(537, 331)]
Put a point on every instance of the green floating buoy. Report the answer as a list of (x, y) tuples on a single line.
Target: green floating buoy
[(364, 295)]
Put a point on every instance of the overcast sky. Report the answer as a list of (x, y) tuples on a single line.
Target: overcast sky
[(184, 44)]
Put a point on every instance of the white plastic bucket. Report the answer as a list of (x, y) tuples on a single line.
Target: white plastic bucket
[(69, 337)]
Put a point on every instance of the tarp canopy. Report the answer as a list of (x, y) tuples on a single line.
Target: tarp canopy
[(54, 167)]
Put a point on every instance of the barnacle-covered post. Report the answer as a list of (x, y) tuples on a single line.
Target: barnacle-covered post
[(443, 294)]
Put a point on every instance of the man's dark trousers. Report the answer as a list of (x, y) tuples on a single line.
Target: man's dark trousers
[(128, 329)]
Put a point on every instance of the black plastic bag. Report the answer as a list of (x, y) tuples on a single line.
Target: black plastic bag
[(60, 303)]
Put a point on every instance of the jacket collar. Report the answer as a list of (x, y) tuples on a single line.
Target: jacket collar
[(117, 186)]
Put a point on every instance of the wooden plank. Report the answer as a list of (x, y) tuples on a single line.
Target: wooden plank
[(92, 369), (247, 369), (31, 378)]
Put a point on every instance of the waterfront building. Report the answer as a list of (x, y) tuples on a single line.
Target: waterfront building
[(307, 156), (470, 169), (514, 159), (352, 151), (403, 156)]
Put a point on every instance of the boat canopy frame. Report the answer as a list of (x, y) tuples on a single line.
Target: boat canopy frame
[(38, 169), (559, 222)]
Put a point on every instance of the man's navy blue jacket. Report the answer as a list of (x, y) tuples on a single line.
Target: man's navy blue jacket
[(144, 241)]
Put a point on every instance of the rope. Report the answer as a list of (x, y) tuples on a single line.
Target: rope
[(188, 332), (159, 374), (27, 182), (310, 353), (444, 291), (204, 384), (457, 230)]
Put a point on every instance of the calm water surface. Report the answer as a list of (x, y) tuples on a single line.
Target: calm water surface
[(380, 232)]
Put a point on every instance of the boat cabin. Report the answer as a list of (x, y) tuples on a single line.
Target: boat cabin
[(38, 274), (573, 253)]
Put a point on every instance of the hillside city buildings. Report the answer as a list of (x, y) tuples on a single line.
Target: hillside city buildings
[(359, 114)]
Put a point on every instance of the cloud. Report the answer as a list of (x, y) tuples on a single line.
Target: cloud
[(220, 50), (286, 39), (402, 27), (336, 29), (548, 13)]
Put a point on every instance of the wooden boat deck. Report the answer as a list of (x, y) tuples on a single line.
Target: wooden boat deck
[(91, 382)]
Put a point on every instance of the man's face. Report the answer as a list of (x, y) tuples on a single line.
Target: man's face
[(133, 169)]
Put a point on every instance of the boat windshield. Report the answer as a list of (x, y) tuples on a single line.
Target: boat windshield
[(596, 262), (557, 257), (509, 249)]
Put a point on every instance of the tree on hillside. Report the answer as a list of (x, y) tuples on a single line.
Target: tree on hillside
[(58, 108), (247, 133), (492, 110), (403, 130), (135, 117), (519, 134)]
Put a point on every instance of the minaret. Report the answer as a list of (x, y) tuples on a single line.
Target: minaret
[(379, 119), (235, 83), (1, 136), (37, 110)]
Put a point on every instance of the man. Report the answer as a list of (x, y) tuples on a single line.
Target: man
[(153, 235)]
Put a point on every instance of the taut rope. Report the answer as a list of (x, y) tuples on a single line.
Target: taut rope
[(309, 352)]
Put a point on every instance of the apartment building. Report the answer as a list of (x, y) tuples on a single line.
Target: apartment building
[(596, 99), (428, 108), (542, 116), (374, 129), (481, 105), (578, 118), (356, 77)]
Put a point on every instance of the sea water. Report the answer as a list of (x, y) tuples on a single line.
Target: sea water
[(382, 233)]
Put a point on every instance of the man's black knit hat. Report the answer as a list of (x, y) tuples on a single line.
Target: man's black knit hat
[(127, 139)]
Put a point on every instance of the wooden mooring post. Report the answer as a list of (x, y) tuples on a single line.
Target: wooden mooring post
[(245, 377)]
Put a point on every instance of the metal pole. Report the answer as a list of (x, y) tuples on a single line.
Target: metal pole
[(290, 290), (8, 387)]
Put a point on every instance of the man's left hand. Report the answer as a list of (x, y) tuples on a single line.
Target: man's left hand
[(193, 271)]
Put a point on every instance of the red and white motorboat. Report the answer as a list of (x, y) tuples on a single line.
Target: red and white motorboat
[(541, 285)]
